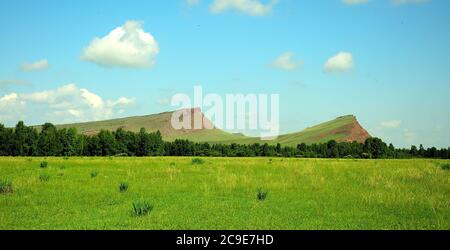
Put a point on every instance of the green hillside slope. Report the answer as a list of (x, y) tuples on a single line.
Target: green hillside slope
[(152, 123), (344, 128)]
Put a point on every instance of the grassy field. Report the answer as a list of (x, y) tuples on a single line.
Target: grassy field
[(221, 193)]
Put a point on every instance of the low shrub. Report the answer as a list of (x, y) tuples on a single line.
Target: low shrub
[(262, 194), (141, 208), (44, 177), (197, 161), (6, 187), (44, 164), (123, 187)]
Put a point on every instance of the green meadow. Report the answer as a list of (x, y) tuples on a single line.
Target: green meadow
[(223, 193)]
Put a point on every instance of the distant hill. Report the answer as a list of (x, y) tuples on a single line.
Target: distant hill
[(345, 128), (342, 129)]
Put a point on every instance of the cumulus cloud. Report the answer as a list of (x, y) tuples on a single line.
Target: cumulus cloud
[(7, 100), (286, 61), (400, 2), (354, 2), (249, 7), (127, 46), (391, 124), (342, 62), (36, 66), (67, 103)]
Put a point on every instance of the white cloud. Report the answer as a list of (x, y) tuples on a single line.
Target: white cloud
[(91, 99), (192, 2), (67, 103), (354, 2), (10, 107), (391, 124), (341, 62), (287, 61), (76, 113), (249, 7), (122, 101), (127, 46), (50, 96), (36, 66), (6, 100), (400, 2)]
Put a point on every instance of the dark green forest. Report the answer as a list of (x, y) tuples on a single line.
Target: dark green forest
[(50, 141)]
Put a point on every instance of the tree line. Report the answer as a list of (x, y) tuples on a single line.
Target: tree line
[(50, 141)]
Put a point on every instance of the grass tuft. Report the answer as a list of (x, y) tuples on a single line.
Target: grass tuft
[(261, 194), (141, 208), (123, 187), (44, 177), (6, 187), (44, 164), (445, 166), (197, 161), (94, 174)]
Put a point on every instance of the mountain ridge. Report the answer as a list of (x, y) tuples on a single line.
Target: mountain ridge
[(342, 129)]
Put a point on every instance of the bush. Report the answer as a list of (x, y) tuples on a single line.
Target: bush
[(141, 208), (44, 164), (123, 187), (445, 166), (261, 194), (197, 161), (44, 177), (6, 187), (94, 174)]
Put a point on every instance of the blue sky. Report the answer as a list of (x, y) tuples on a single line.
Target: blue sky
[(397, 82)]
